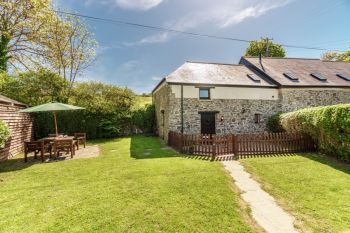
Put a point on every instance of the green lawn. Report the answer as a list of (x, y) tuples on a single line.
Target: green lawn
[(136, 185), (142, 101), (316, 189)]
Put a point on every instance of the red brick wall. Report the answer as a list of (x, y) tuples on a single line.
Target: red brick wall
[(21, 127)]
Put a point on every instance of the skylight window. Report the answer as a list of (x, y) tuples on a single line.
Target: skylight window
[(319, 77), (344, 76), (291, 76), (254, 77)]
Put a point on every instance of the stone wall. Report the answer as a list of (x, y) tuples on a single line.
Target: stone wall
[(238, 115), (161, 100), (293, 99)]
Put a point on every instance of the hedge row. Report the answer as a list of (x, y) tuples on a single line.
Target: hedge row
[(96, 125), (329, 126)]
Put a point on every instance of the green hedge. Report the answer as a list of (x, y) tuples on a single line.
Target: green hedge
[(4, 133), (144, 119), (274, 125), (95, 125), (329, 126)]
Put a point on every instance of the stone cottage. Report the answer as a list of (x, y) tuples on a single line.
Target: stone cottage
[(216, 98)]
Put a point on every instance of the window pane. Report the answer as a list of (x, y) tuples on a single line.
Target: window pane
[(204, 93)]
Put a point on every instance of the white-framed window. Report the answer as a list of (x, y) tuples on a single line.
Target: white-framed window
[(204, 93)]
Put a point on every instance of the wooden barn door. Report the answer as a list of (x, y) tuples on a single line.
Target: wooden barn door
[(208, 123)]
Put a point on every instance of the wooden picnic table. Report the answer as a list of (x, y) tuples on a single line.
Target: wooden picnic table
[(51, 139)]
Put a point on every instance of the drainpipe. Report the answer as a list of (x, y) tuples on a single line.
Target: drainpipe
[(182, 109)]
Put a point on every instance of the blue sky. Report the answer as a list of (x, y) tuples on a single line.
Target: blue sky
[(139, 58)]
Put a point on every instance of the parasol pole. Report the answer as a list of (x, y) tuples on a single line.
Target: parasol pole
[(55, 118)]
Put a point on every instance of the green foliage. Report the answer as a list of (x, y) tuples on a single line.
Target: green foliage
[(144, 119), (101, 98), (4, 133), (336, 56), (344, 56), (110, 110), (107, 112), (273, 123), (4, 41), (258, 47), (329, 126), (142, 101), (34, 88)]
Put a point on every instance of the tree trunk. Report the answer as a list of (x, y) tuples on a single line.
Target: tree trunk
[(4, 41)]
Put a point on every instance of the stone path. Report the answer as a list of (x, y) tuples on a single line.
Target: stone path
[(266, 212), (82, 153)]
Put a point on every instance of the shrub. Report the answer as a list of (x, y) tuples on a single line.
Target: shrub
[(274, 125), (4, 133), (329, 126), (144, 119)]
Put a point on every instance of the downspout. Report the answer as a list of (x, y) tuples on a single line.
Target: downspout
[(182, 108)]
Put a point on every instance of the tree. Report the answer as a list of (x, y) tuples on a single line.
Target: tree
[(22, 23), (265, 47), (336, 56), (101, 98), (34, 88), (70, 48)]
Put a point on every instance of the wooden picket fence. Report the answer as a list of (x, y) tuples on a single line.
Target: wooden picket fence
[(240, 144)]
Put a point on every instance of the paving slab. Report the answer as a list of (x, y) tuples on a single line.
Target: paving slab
[(266, 212)]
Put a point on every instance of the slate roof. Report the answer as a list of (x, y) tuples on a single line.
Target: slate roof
[(270, 71), (203, 73), (4, 99), (302, 68)]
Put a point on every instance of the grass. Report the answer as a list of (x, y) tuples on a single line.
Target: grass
[(142, 101), (136, 185), (315, 188)]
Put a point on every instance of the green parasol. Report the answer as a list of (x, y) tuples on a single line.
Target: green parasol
[(52, 107)]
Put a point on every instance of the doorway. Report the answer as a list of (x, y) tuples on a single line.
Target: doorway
[(208, 122)]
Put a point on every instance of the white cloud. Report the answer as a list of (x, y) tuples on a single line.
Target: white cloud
[(250, 12), (220, 13), (141, 5)]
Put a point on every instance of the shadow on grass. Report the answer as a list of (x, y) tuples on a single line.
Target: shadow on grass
[(329, 161), (211, 158), (267, 155), (18, 163), (143, 147)]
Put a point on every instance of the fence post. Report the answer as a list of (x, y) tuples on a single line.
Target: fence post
[(235, 145), (181, 143), (213, 147)]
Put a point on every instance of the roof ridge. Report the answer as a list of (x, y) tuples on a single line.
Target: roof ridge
[(6, 99), (214, 63), (296, 58)]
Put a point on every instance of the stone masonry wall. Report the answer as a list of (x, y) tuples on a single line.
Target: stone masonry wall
[(161, 100), (293, 99), (238, 114)]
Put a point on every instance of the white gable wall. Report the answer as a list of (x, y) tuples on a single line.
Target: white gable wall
[(224, 92)]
